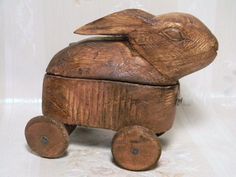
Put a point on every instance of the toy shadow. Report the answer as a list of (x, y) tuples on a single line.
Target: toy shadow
[(92, 137)]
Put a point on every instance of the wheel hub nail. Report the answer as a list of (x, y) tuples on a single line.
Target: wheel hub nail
[(44, 140), (135, 151)]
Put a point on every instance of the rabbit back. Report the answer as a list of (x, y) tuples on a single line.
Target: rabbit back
[(106, 58)]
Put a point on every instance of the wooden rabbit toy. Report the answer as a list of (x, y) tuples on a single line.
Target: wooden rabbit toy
[(127, 82)]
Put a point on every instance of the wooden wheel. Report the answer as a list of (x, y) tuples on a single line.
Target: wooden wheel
[(46, 137), (136, 148)]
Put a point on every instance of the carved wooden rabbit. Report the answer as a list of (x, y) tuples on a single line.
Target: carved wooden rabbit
[(127, 83)]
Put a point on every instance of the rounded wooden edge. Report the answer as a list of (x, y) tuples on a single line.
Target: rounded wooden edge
[(46, 137), (136, 148)]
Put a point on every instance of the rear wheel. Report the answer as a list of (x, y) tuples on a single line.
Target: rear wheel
[(136, 148), (47, 137)]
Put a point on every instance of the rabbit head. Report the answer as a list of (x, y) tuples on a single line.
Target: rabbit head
[(176, 44)]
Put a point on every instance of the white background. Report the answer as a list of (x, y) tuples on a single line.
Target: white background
[(202, 142)]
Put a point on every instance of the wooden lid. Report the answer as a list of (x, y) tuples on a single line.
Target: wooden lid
[(107, 58)]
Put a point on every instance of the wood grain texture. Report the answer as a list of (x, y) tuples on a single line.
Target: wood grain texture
[(107, 104), (105, 58), (175, 44), (136, 148)]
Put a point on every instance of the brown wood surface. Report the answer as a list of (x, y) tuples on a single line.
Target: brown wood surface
[(105, 58), (175, 44), (136, 148), (46, 137), (108, 104)]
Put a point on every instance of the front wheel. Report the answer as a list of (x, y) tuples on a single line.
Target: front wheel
[(136, 148), (47, 137)]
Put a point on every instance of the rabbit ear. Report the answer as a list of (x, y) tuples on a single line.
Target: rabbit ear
[(118, 23)]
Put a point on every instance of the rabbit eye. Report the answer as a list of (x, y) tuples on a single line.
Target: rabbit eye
[(173, 34)]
